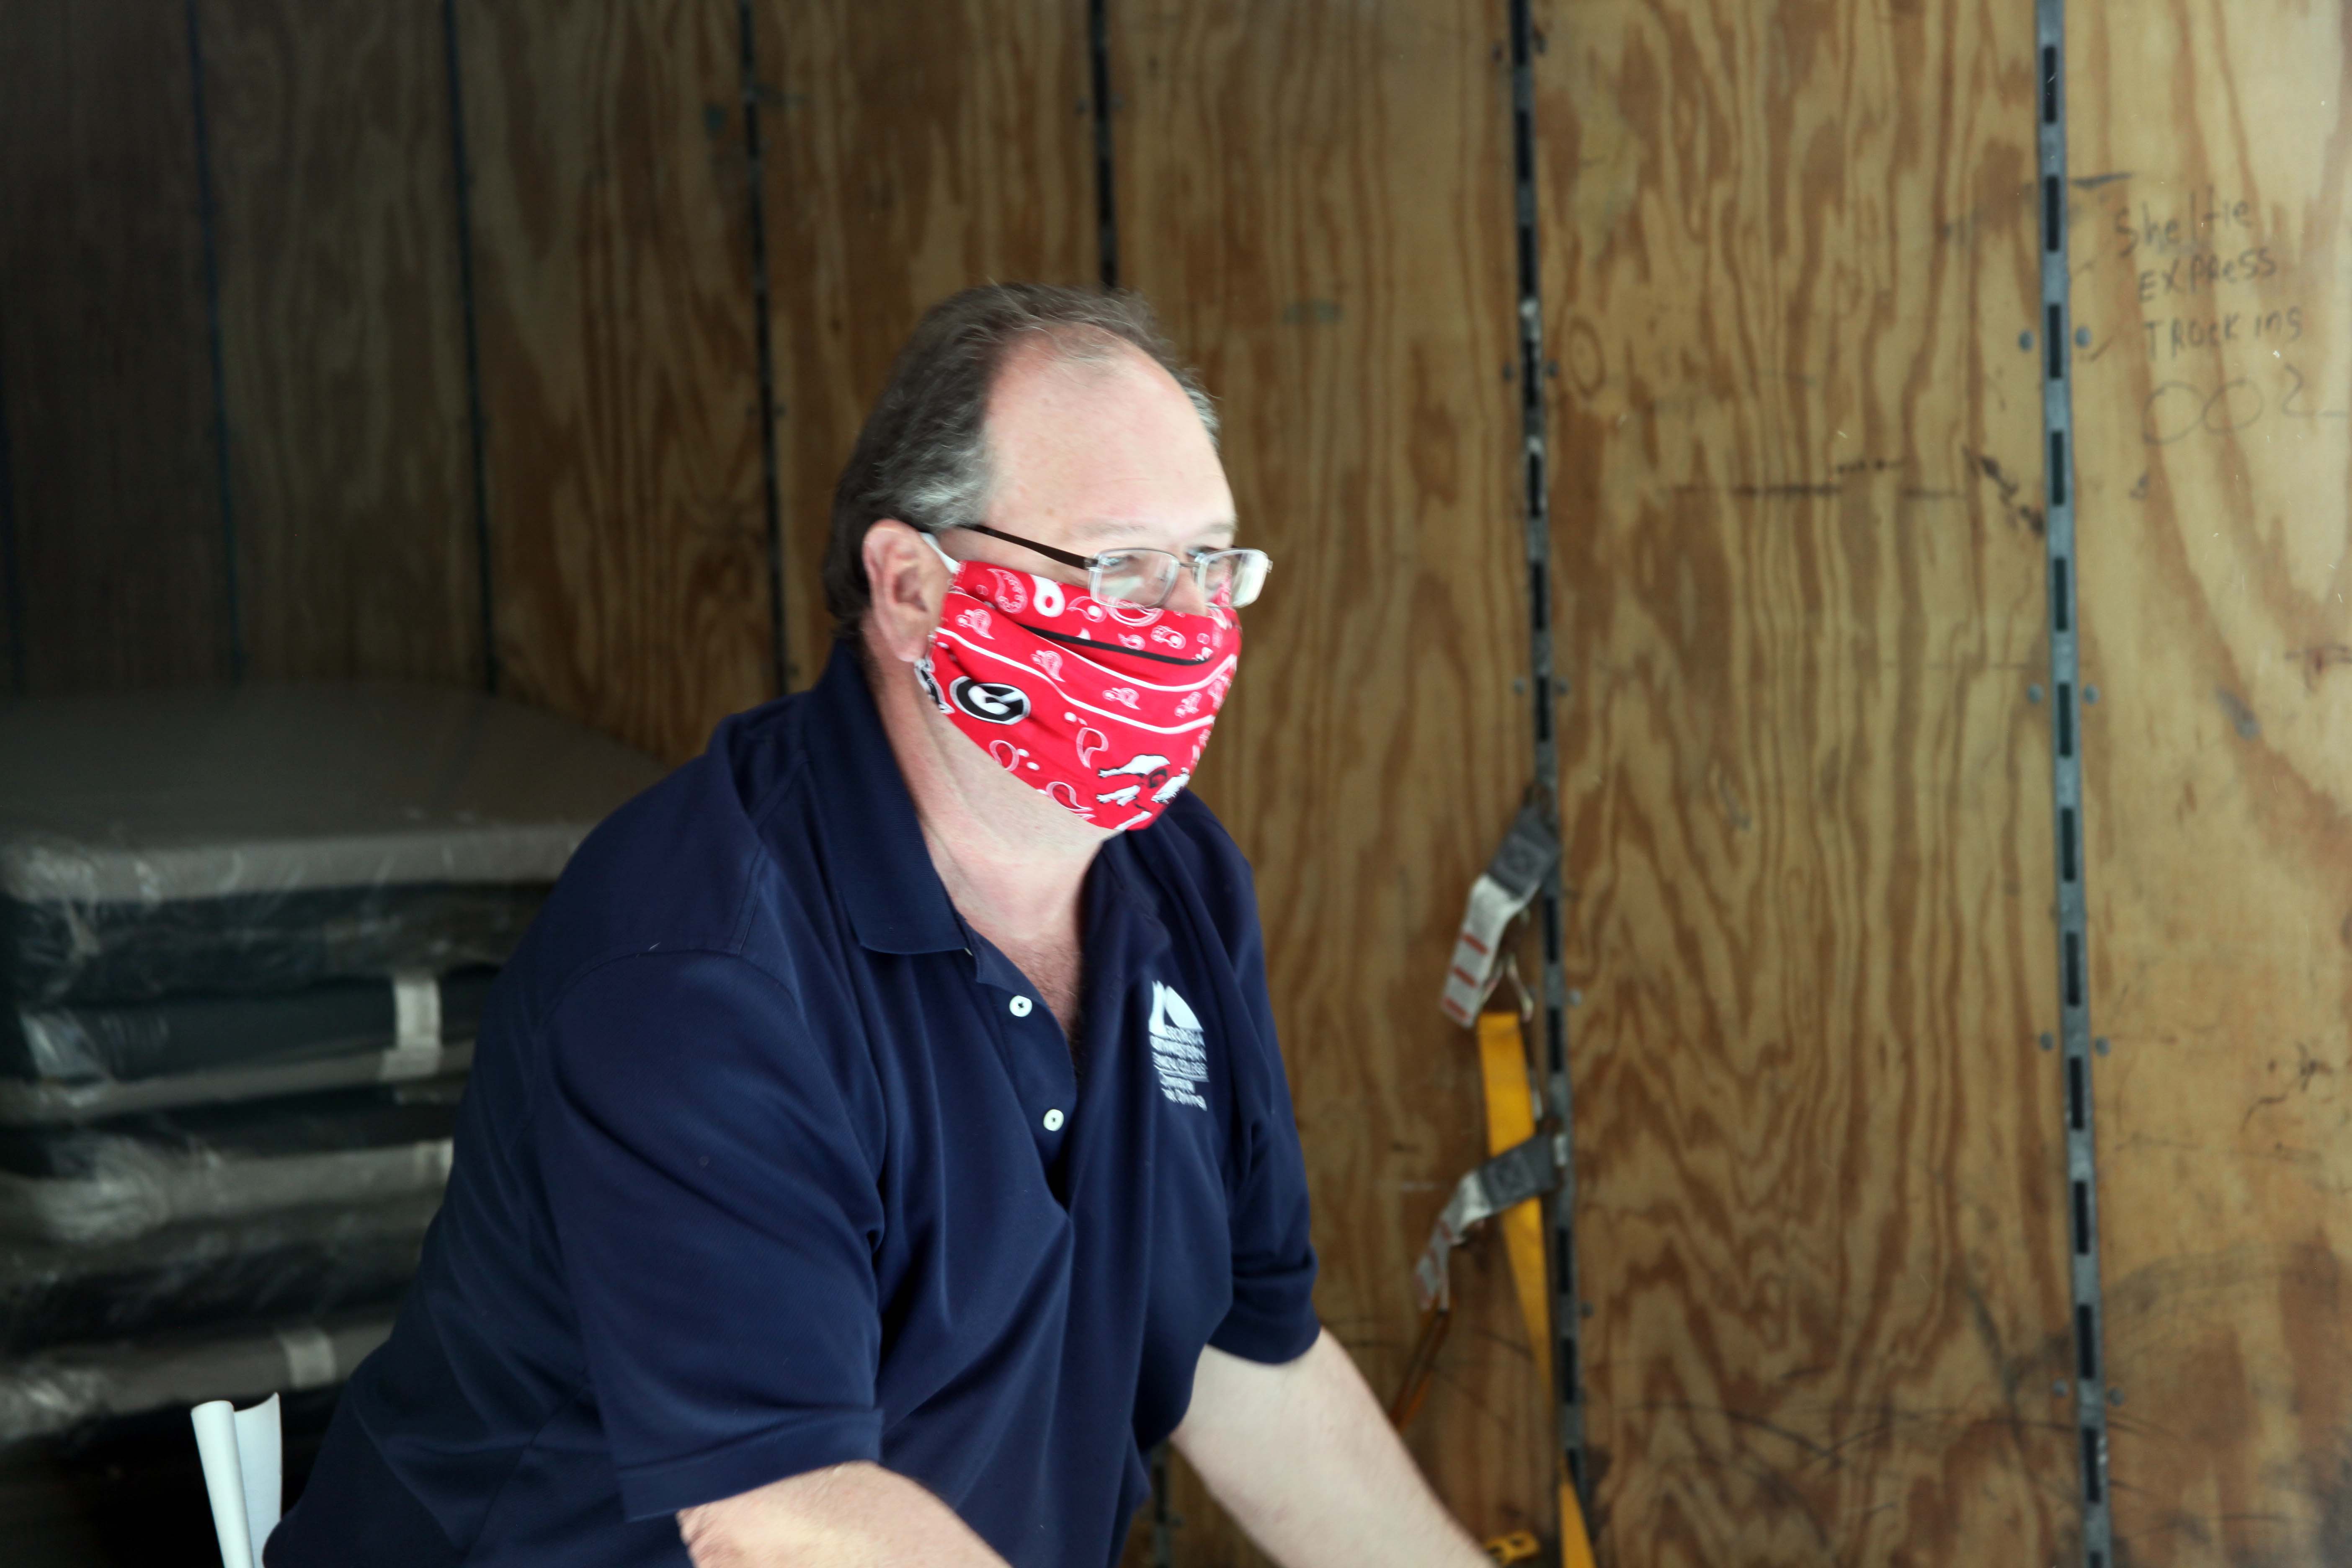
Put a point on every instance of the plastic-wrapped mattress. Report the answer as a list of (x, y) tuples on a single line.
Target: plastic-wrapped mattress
[(268, 838), (43, 1102), (125, 1178), (304, 1264), (81, 1061), (56, 1391), (87, 1042)]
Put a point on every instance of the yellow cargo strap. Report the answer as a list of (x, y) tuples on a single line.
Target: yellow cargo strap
[(1516, 1547), (1510, 1121)]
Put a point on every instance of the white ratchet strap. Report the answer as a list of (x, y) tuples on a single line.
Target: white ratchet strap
[(1511, 1177), (1507, 887), (309, 1356), (416, 1027)]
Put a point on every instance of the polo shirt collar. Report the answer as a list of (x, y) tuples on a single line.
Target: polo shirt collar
[(896, 901)]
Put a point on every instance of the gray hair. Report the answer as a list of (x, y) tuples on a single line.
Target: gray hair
[(922, 456)]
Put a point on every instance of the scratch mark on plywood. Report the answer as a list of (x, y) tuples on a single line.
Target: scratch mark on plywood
[(2241, 717)]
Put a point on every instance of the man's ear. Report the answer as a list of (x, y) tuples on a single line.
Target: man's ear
[(908, 583)]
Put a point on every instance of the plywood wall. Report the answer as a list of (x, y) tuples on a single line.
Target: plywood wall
[(2211, 246), (343, 348), (104, 365), (627, 524), (1789, 267), (620, 376), (1789, 257), (1317, 195), (914, 148)]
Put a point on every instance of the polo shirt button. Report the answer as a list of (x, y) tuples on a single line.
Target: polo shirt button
[(1053, 1119), (1021, 1005)]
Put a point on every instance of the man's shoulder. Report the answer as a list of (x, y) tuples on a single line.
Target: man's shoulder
[(688, 864)]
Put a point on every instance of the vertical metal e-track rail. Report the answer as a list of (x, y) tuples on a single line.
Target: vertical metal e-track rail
[(207, 229), (477, 469), (763, 342), (2076, 1049), (1559, 1223), (12, 588), (1106, 186)]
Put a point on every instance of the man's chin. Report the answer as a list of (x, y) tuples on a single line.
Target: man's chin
[(1055, 823), (999, 795)]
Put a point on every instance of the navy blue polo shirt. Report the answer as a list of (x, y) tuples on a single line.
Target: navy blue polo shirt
[(770, 1161)]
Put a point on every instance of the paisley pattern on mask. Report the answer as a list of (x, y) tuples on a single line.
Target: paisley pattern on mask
[(1101, 707)]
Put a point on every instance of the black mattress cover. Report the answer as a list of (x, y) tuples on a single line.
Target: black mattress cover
[(79, 1386), (48, 1103), (307, 1124), (126, 1042), (118, 1180), (298, 1264)]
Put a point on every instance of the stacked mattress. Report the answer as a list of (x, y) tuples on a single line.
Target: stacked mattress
[(246, 939)]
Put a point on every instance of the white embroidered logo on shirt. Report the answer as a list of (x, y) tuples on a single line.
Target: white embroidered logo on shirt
[(1176, 1046)]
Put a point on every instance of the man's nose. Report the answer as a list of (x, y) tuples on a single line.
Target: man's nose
[(1186, 598)]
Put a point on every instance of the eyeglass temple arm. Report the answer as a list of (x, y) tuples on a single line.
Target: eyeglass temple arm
[(1084, 563)]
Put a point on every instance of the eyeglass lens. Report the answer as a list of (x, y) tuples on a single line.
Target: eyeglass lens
[(1145, 577)]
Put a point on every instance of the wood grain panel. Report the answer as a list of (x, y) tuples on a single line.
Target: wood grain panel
[(103, 349), (2212, 150), (1788, 254), (1317, 196), (912, 148), (343, 338), (619, 376)]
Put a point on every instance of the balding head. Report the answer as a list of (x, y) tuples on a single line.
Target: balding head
[(1100, 448), (931, 450)]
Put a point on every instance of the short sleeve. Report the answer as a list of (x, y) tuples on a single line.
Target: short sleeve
[(717, 1209), (1272, 1316)]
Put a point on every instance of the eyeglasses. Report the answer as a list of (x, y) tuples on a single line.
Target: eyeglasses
[(1144, 578)]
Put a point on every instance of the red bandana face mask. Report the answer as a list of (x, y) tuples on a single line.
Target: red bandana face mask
[(1101, 707)]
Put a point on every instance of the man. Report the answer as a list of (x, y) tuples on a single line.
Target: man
[(879, 1141)]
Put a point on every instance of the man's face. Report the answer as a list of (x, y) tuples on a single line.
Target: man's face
[(1090, 457)]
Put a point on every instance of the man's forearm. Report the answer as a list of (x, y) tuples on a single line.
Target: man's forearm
[(1303, 1457), (850, 1516)]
